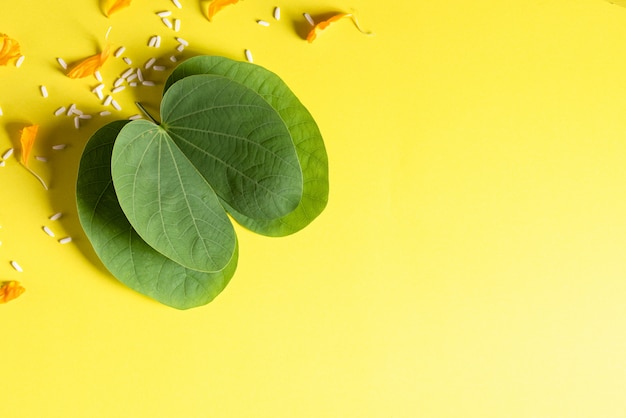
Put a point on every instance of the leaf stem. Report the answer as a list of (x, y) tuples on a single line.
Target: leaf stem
[(145, 112)]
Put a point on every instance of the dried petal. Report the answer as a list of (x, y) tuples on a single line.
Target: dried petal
[(112, 6), (10, 49), (10, 290), (324, 24), (217, 5), (27, 139), (90, 65)]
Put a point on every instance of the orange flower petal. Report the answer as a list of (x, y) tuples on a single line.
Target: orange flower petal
[(112, 6), (10, 290), (217, 5), (27, 139), (10, 49), (90, 65), (324, 24)]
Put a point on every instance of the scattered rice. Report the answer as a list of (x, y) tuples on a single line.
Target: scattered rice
[(65, 240), (249, 56), (127, 60), (1, 112), (77, 122), (177, 4), (107, 100), (118, 82), (7, 153), (84, 116), (105, 113), (133, 84), (277, 13), (180, 48), (117, 89), (148, 83), (119, 51), (135, 117), (16, 266), (58, 147), (56, 216), (19, 61), (2, 163), (263, 22), (62, 63), (139, 74), (41, 158), (164, 13), (159, 68), (99, 87), (48, 231), (131, 77), (116, 105), (44, 91), (71, 109), (173, 58), (176, 25), (98, 76), (182, 41), (59, 111)]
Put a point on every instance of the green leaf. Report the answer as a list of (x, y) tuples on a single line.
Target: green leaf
[(237, 141), (303, 131), (125, 254)]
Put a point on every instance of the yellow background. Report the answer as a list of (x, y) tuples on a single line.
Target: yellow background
[(470, 263)]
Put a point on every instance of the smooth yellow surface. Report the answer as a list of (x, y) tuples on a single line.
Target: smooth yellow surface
[(471, 261)]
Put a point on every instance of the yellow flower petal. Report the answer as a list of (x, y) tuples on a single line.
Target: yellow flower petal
[(90, 65), (10, 290), (324, 24), (217, 5), (112, 6), (10, 49), (27, 139)]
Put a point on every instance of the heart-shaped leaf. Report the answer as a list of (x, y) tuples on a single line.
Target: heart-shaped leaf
[(304, 132), (121, 249), (152, 197)]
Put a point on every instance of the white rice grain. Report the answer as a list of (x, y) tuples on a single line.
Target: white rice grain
[(56, 216), (71, 109), (128, 60), (249, 56), (59, 111), (133, 84), (65, 240), (20, 61), (152, 41), (77, 122), (107, 100), (263, 23), (157, 44), (180, 48), (99, 94), (116, 105), (117, 89), (149, 63), (176, 25), (181, 41), (16, 266), (85, 116), (62, 63), (44, 91), (98, 76), (309, 19), (2, 163), (277, 13), (1, 113), (173, 58), (159, 68), (135, 117), (7, 153), (148, 83), (119, 82), (41, 158), (99, 87), (164, 13), (119, 51), (177, 4), (131, 77), (48, 231), (139, 74), (167, 22), (58, 147), (105, 113), (126, 73)]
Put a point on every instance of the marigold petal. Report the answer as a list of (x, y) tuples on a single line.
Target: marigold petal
[(112, 6), (27, 139), (217, 5), (90, 65), (10, 290), (324, 24), (10, 49)]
